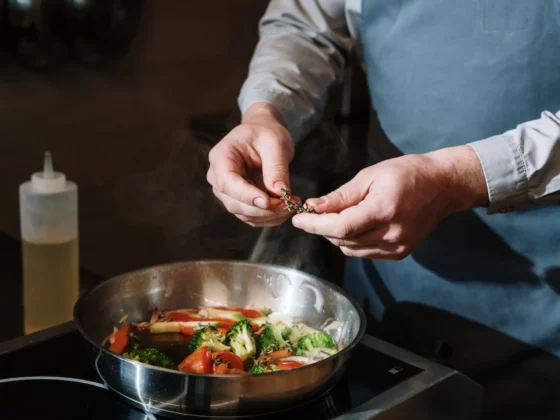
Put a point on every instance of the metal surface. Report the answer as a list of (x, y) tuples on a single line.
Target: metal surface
[(437, 393), (227, 283)]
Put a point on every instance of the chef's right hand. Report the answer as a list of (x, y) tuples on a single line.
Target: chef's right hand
[(249, 166)]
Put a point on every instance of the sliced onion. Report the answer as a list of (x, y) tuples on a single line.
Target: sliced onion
[(110, 337), (320, 353), (204, 312), (155, 315)]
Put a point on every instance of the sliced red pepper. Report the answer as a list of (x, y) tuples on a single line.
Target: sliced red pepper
[(198, 362), (223, 330), (121, 339), (288, 364), (183, 317), (224, 323), (249, 313), (278, 354), (186, 330), (226, 357)]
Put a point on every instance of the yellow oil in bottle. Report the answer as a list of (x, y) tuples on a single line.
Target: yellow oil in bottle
[(51, 284)]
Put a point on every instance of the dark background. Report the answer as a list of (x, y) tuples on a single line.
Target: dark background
[(134, 133)]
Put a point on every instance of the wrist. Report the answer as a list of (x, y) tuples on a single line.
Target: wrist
[(463, 177), (262, 111)]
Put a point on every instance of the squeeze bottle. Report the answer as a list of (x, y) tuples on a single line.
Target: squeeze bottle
[(49, 232)]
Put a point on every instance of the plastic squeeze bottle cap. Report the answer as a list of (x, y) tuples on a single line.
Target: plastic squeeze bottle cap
[(48, 180)]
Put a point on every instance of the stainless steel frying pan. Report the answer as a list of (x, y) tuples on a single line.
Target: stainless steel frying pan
[(227, 283)]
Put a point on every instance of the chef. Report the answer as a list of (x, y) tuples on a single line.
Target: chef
[(453, 230)]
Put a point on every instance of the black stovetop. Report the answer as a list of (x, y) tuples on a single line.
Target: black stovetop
[(61, 383)]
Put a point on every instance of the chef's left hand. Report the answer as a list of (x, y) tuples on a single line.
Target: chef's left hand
[(387, 209)]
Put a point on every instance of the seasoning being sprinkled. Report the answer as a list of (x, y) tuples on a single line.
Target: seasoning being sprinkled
[(292, 205)]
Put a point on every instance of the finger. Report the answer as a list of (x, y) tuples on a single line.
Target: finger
[(393, 253), (227, 177), (372, 237), (239, 208), (349, 222), (278, 220), (275, 164), (346, 196)]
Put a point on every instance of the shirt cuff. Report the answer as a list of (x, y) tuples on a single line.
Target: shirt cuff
[(505, 173), (284, 104)]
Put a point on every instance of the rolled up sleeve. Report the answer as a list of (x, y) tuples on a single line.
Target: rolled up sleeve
[(303, 49), (522, 166)]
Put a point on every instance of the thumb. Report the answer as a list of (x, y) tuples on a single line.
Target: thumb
[(348, 195), (275, 167)]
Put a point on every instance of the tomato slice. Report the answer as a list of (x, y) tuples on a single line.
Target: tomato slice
[(121, 339), (228, 358), (288, 364), (221, 369), (186, 330), (198, 362)]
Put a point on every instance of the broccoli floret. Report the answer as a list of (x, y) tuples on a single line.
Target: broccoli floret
[(152, 357), (241, 339), (266, 311), (257, 369), (210, 337), (262, 367), (299, 331), (312, 341), (274, 337)]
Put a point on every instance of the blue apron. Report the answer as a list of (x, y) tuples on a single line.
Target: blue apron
[(486, 288)]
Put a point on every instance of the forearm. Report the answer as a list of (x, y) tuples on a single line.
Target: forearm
[(462, 176), (517, 170), (302, 51)]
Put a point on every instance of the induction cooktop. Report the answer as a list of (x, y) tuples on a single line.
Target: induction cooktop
[(48, 375)]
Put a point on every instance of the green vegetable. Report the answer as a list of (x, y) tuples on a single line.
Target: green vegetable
[(274, 337), (259, 368), (266, 311), (152, 357), (174, 327), (260, 321), (241, 339), (225, 314), (208, 336), (300, 330), (312, 341)]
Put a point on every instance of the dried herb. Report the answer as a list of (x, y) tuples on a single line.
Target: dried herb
[(292, 205)]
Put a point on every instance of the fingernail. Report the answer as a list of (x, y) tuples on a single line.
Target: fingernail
[(316, 201), (296, 221), (279, 185), (259, 202)]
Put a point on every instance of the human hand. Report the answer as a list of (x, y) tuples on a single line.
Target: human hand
[(387, 209), (249, 167)]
